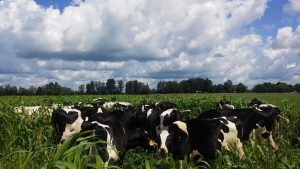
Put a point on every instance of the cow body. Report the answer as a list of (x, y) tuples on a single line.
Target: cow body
[(201, 137), (252, 119)]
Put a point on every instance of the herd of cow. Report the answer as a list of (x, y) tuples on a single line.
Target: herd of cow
[(161, 128)]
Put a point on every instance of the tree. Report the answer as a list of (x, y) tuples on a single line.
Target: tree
[(111, 86), (241, 88), (100, 87), (91, 88), (81, 89), (297, 87), (135, 87), (228, 86), (120, 86)]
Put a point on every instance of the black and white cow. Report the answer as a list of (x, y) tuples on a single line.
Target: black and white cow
[(153, 119), (114, 128), (253, 120), (201, 137)]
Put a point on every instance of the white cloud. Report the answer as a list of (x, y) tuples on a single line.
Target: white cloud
[(145, 40), (280, 58), (292, 7)]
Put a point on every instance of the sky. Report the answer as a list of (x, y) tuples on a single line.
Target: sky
[(75, 41)]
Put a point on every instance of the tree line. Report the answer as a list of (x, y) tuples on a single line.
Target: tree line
[(112, 86)]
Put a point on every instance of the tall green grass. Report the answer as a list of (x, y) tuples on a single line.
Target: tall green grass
[(30, 141)]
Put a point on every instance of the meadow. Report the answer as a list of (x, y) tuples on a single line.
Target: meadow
[(30, 141)]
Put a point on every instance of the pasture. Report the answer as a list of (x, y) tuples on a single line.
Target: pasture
[(29, 142)]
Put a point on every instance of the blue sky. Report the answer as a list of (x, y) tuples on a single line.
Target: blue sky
[(74, 42)]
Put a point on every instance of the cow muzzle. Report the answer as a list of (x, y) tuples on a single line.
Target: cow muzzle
[(162, 152)]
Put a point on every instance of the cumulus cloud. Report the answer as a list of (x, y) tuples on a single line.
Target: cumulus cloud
[(292, 7), (280, 57), (145, 40)]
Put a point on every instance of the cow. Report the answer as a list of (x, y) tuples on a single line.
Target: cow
[(254, 120), (114, 128), (201, 137), (67, 122), (265, 107), (110, 105), (155, 118)]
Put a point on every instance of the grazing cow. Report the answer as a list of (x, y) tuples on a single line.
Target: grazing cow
[(115, 139), (201, 137), (154, 119), (253, 119), (118, 139), (67, 122), (224, 105)]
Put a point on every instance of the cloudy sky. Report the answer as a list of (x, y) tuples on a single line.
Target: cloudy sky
[(74, 41)]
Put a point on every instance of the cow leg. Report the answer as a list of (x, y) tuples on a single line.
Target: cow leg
[(272, 142), (239, 147), (180, 164)]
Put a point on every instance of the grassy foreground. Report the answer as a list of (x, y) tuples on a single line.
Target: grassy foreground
[(29, 142)]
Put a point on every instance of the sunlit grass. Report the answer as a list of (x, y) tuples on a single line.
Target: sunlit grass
[(30, 141)]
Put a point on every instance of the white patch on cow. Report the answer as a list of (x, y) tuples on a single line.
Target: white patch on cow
[(109, 105), (157, 103), (149, 112), (229, 106), (231, 140), (99, 110), (182, 126), (161, 117), (194, 153), (258, 109), (163, 137), (124, 103), (266, 105), (73, 128), (86, 119)]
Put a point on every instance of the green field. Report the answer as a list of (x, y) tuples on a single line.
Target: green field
[(28, 142)]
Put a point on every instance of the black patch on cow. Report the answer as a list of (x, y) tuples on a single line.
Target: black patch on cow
[(221, 137), (225, 128), (265, 135), (101, 133)]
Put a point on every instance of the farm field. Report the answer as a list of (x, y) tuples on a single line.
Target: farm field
[(29, 142)]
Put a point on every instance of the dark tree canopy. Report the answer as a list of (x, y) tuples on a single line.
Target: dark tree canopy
[(112, 86)]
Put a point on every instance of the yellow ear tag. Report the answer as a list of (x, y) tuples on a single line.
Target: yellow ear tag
[(152, 143)]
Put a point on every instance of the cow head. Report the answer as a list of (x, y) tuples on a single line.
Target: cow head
[(174, 140)]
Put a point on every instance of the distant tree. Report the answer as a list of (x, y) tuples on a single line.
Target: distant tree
[(81, 89), (228, 86), (100, 87), (281, 87), (111, 86), (297, 87), (120, 86), (135, 87), (219, 88), (90, 87), (241, 88)]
